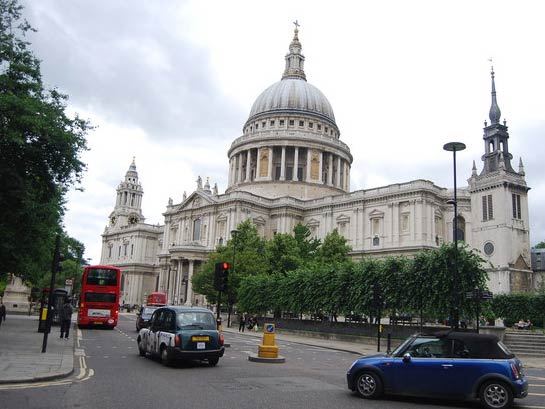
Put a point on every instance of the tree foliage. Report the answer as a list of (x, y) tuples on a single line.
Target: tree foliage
[(40, 149), (421, 284), (334, 249), (540, 245)]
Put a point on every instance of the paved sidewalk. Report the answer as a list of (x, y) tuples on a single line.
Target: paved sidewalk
[(21, 357)]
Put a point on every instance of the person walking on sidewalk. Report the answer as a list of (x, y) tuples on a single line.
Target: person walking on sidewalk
[(2, 312), (241, 322), (66, 318)]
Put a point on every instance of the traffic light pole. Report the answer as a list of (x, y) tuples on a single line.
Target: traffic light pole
[(54, 268), (218, 317)]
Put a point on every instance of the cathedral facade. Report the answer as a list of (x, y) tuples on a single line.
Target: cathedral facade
[(289, 166)]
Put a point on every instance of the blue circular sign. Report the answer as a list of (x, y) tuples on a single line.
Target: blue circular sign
[(270, 328)]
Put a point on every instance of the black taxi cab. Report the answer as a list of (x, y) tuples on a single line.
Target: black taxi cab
[(182, 333)]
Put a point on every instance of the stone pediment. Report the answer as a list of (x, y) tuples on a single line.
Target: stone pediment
[(196, 200), (521, 264), (376, 214), (313, 223), (259, 221), (343, 219)]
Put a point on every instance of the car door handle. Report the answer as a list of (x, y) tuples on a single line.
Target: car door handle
[(447, 365)]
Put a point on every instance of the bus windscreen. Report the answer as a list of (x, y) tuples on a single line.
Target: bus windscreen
[(102, 276), (100, 297)]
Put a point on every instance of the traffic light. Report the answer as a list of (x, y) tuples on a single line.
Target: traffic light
[(221, 277)]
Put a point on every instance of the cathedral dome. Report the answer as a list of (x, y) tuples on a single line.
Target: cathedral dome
[(292, 94)]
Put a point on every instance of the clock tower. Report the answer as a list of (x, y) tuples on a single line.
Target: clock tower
[(499, 207), (128, 204)]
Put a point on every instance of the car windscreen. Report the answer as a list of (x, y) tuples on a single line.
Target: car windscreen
[(147, 311), (99, 297), (402, 347), (196, 320)]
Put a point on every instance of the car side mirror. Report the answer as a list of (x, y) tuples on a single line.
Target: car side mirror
[(407, 357)]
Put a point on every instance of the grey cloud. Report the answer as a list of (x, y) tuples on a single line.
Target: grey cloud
[(123, 61)]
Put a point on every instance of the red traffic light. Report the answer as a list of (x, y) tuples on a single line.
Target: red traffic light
[(226, 266)]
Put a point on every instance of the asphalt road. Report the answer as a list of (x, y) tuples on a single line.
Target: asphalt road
[(111, 375)]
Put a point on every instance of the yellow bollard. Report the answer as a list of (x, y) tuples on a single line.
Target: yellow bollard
[(268, 349)]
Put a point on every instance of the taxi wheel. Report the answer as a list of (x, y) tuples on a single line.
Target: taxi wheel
[(213, 361), (141, 350), (165, 357)]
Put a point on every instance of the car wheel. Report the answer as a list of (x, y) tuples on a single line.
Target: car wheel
[(141, 350), (495, 395), (369, 385), (213, 361), (165, 357)]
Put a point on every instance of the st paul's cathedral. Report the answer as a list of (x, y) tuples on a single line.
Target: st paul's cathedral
[(290, 166)]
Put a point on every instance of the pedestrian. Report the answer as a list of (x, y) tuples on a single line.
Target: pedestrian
[(241, 322), (66, 318), (2, 312)]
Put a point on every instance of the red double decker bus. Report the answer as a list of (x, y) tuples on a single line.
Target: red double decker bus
[(99, 299), (157, 298)]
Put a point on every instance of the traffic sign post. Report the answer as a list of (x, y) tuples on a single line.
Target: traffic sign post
[(477, 295)]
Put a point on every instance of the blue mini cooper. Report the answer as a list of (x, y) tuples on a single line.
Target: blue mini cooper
[(454, 365)]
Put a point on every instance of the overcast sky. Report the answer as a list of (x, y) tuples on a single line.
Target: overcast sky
[(172, 83)]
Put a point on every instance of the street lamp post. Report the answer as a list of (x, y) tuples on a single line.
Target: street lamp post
[(234, 233), (455, 147)]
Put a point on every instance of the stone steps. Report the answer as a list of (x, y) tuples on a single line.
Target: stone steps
[(525, 343)]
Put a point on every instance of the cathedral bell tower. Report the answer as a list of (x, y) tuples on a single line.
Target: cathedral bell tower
[(499, 206), (128, 204)]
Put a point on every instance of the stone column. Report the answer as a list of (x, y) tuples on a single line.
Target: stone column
[(189, 300), (320, 175), (258, 165), (269, 169), (295, 163), (179, 275), (330, 170), (283, 164), (239, 173), (248, 164), (309, 155), (338, 175)]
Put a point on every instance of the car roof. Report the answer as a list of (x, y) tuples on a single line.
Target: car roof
[(481, 345), (181, 308)]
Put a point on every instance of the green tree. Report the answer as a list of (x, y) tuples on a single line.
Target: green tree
[(540, 245), (307, 245), (40, 148), (249, 253), (334, 249), (283, 253), (71, 266)]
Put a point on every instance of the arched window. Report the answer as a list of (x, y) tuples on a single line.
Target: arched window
[(197, 230), (461, 228)]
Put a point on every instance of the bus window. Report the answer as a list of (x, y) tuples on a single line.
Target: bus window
[(101, 276), (100, 297)]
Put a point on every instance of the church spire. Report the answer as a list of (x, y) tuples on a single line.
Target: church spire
[(294, 59), (495, 113), (496, 136)]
